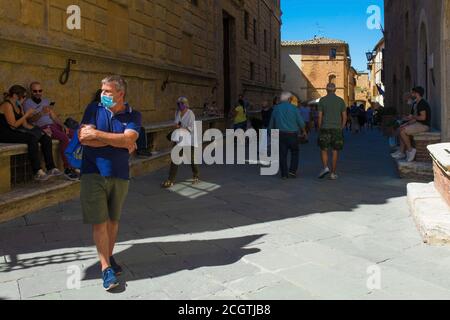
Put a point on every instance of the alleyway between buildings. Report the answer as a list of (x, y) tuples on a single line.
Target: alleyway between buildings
[(239, 235)]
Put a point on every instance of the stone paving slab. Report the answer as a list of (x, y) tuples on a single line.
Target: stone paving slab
[(9, 290), (241, 237), (325, 283)]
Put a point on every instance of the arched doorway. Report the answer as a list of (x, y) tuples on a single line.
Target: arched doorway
[(422, 63), (332, 78)]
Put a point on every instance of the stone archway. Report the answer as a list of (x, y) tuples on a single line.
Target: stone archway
[(332, 78)]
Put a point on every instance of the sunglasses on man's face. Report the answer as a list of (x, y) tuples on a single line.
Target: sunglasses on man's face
[(37, 91)]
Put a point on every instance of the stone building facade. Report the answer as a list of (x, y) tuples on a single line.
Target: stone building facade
[(362, 90), (352, 85), (377, 73), (418, 53), (205, 50), (308, 66)]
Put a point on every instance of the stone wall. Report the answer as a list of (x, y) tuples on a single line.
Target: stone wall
[(413, 27), (362, 90), (164, 48)]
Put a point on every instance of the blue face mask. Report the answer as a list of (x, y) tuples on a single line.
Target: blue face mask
[(108, 102)]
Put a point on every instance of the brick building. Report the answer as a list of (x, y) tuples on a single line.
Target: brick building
[(417, 53), (307, 67), (206, 50), (362, 90)]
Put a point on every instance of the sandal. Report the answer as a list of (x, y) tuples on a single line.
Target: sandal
[(167, 184), (195, 180)]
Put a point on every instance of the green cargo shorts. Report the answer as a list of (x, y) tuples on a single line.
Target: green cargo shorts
[(331, 139), (102, 198)]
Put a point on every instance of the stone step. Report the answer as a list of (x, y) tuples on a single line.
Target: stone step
[(36, 196), (421, 171), (431, 213)]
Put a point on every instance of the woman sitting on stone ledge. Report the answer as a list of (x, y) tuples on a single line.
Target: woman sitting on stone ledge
[(14, 128)]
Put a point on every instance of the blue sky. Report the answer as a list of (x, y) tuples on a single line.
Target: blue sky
[(339, 19)]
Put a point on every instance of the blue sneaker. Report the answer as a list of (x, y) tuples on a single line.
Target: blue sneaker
[(109, 279), (117, 269)]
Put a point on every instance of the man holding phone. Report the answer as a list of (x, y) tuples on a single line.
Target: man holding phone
[(46, 118)]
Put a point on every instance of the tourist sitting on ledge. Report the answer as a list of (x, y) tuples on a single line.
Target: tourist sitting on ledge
[(210, 110), (419, 121)]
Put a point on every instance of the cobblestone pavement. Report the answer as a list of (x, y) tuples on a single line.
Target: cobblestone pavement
[(239, 235)]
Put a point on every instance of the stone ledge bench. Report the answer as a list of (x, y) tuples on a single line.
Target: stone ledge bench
[(157, 131), (422, 140), (422, 167), (10, 150)]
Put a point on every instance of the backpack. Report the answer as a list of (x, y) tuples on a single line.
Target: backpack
[(74, 152), (71, 124)]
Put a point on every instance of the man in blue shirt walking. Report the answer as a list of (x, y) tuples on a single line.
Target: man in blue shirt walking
[(109, 131), (286, 118)]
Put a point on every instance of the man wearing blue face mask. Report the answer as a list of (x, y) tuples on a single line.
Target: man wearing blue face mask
[(109, 131)]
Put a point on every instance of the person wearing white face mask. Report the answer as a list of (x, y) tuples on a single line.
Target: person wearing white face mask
[(185, 123), (15, 128)]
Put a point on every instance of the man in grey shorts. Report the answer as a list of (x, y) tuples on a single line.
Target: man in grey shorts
[(108, 133)]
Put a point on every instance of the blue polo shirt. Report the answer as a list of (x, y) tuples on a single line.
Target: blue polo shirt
[(286, 118), (109, 161)]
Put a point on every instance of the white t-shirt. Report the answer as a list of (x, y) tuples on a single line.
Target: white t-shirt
[(185, 137)]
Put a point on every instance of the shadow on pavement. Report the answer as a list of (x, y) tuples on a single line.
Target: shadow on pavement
[(153, 260), (230, 197)]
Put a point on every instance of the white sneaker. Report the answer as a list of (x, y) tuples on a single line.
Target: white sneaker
[(334, 176), (399, 156), (41, 176), (411, 155), (396, 154), (324, 173), (54, 172)]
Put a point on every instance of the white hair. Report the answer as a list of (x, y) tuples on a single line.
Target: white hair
[(285, 96), (118, 81)]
